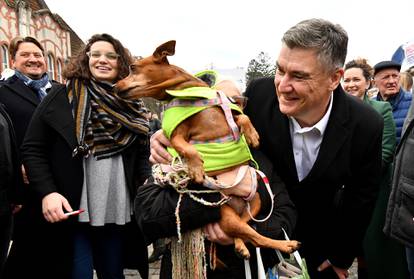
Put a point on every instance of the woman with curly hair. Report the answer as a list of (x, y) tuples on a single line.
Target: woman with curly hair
[(87, 148)]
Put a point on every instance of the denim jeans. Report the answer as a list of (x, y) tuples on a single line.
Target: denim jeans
[(98, 248), (410, 260)]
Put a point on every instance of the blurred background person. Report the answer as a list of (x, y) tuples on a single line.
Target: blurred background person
[(381, 256), (406, 81), (400, 211), (387, 80)]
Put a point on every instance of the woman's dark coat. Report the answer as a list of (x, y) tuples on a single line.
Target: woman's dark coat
[(47, 155)]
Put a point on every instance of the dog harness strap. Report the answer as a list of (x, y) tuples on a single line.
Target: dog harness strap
[(272, 196), (193, 103), (225, 105), (216, 185), (254, 184), (223, 139), (221, 101)]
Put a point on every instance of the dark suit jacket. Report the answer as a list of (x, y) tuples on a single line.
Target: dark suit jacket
[(11, 180), (330, 225), (20, 102)]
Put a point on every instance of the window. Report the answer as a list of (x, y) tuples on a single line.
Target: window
[(4, 57), (50, 66), (59, 71)]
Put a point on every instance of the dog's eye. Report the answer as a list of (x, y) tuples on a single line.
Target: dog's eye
[(132, 67)]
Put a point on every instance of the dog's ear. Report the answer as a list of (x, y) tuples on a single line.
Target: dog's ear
[(164, 50)]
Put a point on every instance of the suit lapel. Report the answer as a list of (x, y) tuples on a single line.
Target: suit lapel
[(280, 142), (287, 149), (58, 115), (335, 134)]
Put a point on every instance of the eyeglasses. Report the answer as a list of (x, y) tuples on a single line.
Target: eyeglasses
[(112, 56)]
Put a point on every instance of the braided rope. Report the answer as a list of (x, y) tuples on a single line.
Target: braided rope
[(176, 176), (188, 251)]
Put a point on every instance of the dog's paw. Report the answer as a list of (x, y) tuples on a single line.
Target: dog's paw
[(196, 174), (290, 246), (253, 139), (241, 249)]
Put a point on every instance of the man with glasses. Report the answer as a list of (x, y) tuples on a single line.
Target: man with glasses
[(386, 79), (21, 93)]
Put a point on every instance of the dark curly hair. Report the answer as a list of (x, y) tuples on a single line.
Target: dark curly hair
[(78, 66), (361, 63)]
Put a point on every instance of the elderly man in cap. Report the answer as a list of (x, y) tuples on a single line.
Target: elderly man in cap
[(386, 79)]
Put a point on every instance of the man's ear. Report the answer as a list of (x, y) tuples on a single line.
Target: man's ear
[(164, 50), (336, 77)]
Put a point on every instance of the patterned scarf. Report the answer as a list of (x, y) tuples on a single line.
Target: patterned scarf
[(39, 85), (105, 123)]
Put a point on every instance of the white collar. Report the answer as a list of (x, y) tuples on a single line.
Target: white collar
[(320, 125)]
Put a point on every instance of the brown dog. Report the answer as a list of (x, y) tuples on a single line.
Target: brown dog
[(151, 77)]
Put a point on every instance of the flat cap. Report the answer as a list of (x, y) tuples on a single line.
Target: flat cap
[(386, 65)]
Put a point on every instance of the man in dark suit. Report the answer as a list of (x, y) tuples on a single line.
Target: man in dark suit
[(20, 94), (325, 145)]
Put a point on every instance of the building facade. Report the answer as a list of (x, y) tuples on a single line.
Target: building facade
[(33, 18)]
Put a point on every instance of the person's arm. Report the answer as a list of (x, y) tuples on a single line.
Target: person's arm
[(35, 148), (9, 164), (143, 167), (389, 139), (284, 214), (155, 211)]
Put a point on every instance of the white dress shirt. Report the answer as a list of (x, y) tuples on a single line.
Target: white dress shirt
[(307, 141)]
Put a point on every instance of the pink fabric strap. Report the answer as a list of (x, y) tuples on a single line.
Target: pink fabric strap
[(221, 101)]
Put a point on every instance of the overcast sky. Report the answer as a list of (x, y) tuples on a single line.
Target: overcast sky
[(229, 33)]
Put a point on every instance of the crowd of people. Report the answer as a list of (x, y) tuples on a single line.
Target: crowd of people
[(338, 162)]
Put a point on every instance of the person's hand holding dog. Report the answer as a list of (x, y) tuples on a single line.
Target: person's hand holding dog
[(159, 155), (214, 233), (158, 144)]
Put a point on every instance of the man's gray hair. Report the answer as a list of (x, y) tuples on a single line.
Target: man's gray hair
[(330, 41)]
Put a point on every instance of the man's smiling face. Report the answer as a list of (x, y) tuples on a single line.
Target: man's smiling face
[(29, 60)]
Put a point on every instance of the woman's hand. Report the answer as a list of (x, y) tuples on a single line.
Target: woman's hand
[(52, 207), (158, 144)]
